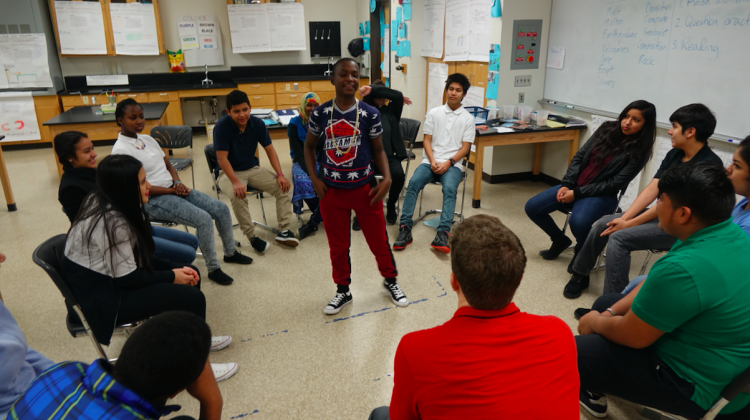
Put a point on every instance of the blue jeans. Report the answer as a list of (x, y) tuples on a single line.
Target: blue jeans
[(197, 210), (174, 245), (422, 176), (585, 212), (633, 284)]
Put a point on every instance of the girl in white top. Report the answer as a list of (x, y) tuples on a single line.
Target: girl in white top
[(170, 199)]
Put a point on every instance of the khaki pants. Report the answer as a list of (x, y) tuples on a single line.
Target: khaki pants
[(264, 180)]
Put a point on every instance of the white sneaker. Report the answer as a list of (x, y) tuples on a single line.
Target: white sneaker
[(223, 371), (220, 342)]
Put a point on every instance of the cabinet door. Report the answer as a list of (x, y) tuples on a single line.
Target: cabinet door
[(326, 96), (262, 101), (71, 102), (139, 97), (319, 86), (292, 87), (174, 113), (46, 107), (288, 99), (154, 97), (479, 75), (257, 88)]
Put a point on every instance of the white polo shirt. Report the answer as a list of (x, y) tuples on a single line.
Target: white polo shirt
[(449, 130), (151, 156)]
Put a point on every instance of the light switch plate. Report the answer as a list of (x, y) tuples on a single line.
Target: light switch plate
[(521, 81)]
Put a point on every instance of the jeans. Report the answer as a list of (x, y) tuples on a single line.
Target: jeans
[(619, 246), (584, 213), (422, 176), (174, 245), (633, 284), (197, 210)]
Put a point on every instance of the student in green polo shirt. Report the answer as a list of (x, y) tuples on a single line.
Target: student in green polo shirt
[(678, 339)]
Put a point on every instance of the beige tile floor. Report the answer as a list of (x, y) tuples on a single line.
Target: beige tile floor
[(295, 362)]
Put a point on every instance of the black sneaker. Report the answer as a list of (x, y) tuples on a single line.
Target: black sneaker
[(580, 312), (259, 244), (338, 302), (220, 277), (397, 295), (576, 286), (441, 242), (558, 246), (597, 407), (287, 238), (404, 238), (238, 258), (355, 224), (307, 229), (391, 217)]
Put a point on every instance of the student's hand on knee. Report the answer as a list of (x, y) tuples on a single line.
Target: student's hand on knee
[(615, 225), (240, 190), (585, 323), (283, 183), (434, 166), (561, 193), (568, 197), (181, 276), (181, 189)]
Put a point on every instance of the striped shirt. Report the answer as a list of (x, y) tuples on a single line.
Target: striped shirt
[(74, 390)]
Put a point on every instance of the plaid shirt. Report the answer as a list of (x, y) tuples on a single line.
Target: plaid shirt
[(74, 390)]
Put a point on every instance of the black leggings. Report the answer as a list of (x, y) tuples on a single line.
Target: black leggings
[(314, 205), (139, 304)]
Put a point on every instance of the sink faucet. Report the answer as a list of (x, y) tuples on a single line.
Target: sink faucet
[(328, 72), (207, 81)]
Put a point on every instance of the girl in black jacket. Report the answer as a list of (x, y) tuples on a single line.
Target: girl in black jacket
[(603, 166)]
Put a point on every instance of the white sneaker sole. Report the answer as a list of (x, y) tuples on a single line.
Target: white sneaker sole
[(293, 242), (222, 345), (401, 303), (228, 373), (334, 311), (592, 412)]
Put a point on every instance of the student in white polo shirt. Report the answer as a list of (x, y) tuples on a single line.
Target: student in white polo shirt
[(172, 200), (448, 134)]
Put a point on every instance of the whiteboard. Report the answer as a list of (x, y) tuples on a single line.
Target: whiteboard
[(669, 52)]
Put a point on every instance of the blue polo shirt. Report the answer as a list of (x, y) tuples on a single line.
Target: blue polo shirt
[(240, 145)]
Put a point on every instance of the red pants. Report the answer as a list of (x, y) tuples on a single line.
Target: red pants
[(336, 208)]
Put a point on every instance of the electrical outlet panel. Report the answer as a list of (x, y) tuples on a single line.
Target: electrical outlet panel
[(521, 81), (85, 100), (521, 96), (527, 44)]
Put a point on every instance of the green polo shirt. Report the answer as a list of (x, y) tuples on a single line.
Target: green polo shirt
[(699, 295)]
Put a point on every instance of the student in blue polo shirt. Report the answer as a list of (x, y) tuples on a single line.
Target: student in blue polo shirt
[(345, 137), (236, 140)]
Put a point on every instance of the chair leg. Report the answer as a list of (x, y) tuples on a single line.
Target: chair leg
[(264, 225), (645, 263), (463, 198), (90, 333), (565, 225)]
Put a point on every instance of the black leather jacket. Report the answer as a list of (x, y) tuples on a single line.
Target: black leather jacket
[(614, 178)]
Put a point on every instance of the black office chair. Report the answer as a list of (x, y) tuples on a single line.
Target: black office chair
[(176, 137), (409, 130), (215, 169), (49, 256), (740, 385)]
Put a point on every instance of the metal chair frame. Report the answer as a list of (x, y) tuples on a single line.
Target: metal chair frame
[(460, 214), (213, 167), (80, 326), (650, 253), (176, 137)]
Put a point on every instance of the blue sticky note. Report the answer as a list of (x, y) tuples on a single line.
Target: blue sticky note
[(382, 45), (387, 82), (399, 14), (497, 9), (381, 66), (407, 11), (382, 16), (402, 30), (367, 43), (492, 84), (394, 44), (406, 48), (361, 29), (373, 5), (494, 64), (407, 1), (367, 28)]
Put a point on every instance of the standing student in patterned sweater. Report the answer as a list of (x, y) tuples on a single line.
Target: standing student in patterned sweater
[(350, 134)]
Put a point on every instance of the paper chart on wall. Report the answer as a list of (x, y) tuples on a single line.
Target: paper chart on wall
[(556, 58), (286, 25), (80, 27), (474, 97), (597, 121), (457, 17), (663, 146), (479, 32), (25, 60), (208, 32), (3, 77), (188, 32), (17, 117), (437, 73), (134, 28), (631, 193), (433, 28), (386, 64), (248, 26)]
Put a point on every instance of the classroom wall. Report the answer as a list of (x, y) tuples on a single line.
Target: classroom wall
[(171, 10)]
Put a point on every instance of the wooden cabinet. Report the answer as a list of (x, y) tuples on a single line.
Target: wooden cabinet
[(318, 86), (46, 107), (107, 20), (288, 99), (326, 96), (257, 88), (262, 101), (139, 97), (292, 87), (163, 96)]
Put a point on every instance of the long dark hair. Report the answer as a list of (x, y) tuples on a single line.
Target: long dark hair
[(744, 149), (116, 202), (638, 146)]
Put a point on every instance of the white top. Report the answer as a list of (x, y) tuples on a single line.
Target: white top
[(449, 130), (95, 254), (151, 156)]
